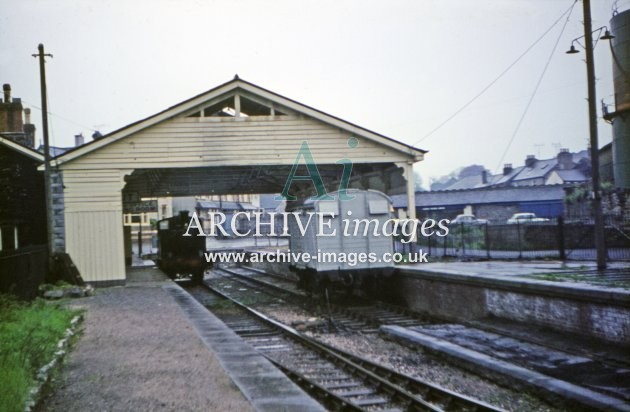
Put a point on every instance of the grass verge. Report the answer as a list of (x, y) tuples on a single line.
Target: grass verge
[(29, 333)]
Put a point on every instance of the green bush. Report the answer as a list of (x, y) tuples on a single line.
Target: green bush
[(28, 340)]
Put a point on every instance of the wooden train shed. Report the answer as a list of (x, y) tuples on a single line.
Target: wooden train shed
[(235, 138)]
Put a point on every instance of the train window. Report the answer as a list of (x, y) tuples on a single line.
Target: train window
[(379, 207), (164, 225)]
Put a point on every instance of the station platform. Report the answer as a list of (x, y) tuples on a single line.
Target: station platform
[(572, 298), (525, 268), (542, 325), (150, 346)]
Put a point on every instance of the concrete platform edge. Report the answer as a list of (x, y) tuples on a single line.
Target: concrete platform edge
[(262, 384), (529, 378)]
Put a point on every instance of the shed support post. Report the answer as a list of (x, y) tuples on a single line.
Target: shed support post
[(411, 203), (237, 105)]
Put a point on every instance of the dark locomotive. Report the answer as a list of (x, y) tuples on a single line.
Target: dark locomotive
[(179, 256)]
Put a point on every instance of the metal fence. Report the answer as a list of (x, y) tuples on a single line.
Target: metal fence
[(555, 239)]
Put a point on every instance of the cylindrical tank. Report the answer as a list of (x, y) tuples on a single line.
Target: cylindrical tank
[(620, 49)]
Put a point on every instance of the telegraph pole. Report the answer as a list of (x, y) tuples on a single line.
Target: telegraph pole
[(47, 183), (592, 117)]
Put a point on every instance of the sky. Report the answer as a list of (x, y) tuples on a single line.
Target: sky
[(400, 68)]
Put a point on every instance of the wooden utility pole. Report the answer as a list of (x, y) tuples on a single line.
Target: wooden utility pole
[(50, 224), (592, 117)]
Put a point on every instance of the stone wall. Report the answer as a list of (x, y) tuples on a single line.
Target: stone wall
[(59, 231), (607, 322), (602, 314)]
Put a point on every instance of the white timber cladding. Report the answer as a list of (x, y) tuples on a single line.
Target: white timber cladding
[(86, 190), (94, 240), (253, 92), (93, 175), (216, 141), (93, 223)]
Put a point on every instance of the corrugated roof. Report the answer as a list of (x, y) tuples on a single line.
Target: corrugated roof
[(212, 204), (207, 204), (483, 195)]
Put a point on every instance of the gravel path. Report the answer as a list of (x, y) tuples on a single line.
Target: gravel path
[(137, 352)]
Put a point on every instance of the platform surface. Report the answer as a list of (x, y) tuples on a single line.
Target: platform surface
[(140, 351)]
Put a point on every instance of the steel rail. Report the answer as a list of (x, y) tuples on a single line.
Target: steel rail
[(369, 371)]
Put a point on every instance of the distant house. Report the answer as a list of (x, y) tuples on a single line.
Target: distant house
[(566, 168), (538, 186)]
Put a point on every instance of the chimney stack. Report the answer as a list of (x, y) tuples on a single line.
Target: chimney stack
[(7, 92), (29, 129), (565, 160), (78, 140), (530, 161), (10, 112), (484, 177), (507, 169)]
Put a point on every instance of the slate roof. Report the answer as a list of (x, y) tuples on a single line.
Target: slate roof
[(54, 150), (572, 175), (540, 169)]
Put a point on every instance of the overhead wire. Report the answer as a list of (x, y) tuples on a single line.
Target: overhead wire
[(60, 117), (496, 79), (534, 92)]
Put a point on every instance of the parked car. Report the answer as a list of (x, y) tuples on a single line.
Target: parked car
[(468, 220), (525, 218)]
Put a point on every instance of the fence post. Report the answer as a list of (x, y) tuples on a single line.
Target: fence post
[(518, 233), (561, 250), (487, 240), (444, 249), (463, 240)]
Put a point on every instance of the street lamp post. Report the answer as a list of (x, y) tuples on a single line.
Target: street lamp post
[(592, 119)]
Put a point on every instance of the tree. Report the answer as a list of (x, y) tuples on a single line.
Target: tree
[(417, 182)]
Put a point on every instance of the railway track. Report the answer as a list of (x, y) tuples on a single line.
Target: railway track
[(571, 364), (341, 381), (358, 316)]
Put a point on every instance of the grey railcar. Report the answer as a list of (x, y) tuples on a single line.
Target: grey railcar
[(336, 258)]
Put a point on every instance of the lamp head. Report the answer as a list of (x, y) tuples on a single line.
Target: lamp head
[(572, 50)]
